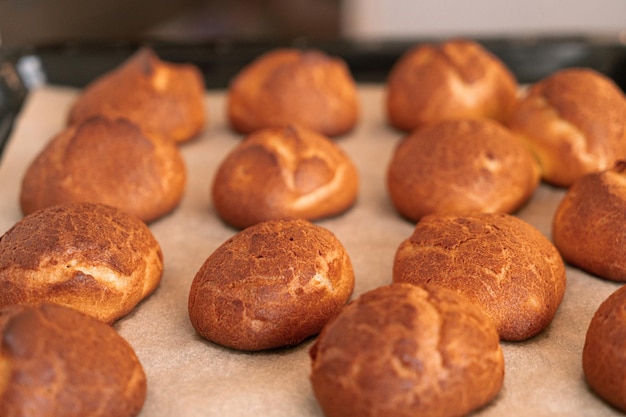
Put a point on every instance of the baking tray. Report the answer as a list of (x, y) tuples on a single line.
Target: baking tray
[(190, 377)]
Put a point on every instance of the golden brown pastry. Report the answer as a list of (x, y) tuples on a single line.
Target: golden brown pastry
[(574, 122), (284, 172), (285, 86), (500, 262), (95, 258), (454, 79), (604, 357), (161, 97), (588, 227), (461, 165), (404, 351), (58, 362), (271, 285), (106, 161)]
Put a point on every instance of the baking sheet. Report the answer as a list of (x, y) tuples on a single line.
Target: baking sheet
[(188, 376)]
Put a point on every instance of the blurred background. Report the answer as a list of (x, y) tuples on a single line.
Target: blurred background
[(39, 21)]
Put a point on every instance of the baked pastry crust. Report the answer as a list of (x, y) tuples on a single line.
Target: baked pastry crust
[(500, 262), (94, 258), (573, 121), (454, 79), (161, 97), (285, 86), (588, 225), (403, 351), (271, 285), (284, 172), (603, 356), (459, 166), (58, 362), (106, 161)]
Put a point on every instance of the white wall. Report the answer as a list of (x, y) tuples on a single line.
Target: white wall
[(444, 18)]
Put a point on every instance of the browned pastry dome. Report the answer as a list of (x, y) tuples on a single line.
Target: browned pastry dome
[(95, 258), (574, 122), (451, 80), (161, 97), (604, 356), (271, 285), (589, 225), (501, 263), (284, 172), (106, 161), (461, 165), (58, 362), (405, 351), (284, 86)]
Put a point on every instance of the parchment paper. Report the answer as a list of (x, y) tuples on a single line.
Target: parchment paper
[(188, 376)]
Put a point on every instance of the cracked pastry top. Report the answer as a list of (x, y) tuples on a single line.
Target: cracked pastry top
[(458, 166), (500, 262), (588, 224), (603, 355), (271, 285), (164, 98), (59, 362), (403, 350), (92, 257), (454, 79), (108, 161), (284, 172), (284, 86), (573, 120)]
